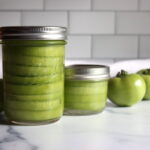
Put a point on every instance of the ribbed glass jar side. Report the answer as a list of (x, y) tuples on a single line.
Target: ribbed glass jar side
[(33, 73), (85, 97)]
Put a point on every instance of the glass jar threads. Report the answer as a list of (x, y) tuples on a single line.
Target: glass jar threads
[(85, 89), (33, 73)]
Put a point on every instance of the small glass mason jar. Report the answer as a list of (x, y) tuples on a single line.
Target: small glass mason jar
[(33, 73), (85, 89)]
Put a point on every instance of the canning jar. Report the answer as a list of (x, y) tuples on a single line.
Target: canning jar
[(85, 89), (1, 95), (33, 73)]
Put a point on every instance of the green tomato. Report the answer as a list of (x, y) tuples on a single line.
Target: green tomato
[(145, 73), (126, 89)]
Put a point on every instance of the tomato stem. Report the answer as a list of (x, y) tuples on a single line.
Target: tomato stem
[(146, 71), (122, 73)]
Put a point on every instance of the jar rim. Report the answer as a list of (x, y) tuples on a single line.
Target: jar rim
[(33, 32), (87, 72)]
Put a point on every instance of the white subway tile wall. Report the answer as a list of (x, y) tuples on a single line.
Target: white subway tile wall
[(145, 4), (145, 46), (97, 29), (133, 23), (44, 18), (115, 46), (78, 47), (21, 4), (115, 4), (67, 4), (10, 18), (92, 22)]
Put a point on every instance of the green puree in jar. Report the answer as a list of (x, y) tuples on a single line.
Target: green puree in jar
[(85, 89), (33, 73), (34, 79), (89, 96)]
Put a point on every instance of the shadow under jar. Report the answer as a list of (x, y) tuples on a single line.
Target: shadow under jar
[(85, 89), (33, 73)]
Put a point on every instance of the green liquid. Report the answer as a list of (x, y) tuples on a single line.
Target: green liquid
[(83, 97), (33, 80)]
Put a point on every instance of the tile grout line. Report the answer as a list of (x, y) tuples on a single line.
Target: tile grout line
[(115, 59), (92, 50), (138, 48), (44, 5), (118, 34), (91, 4), (64, 10), (138, 5), (103, 58), (21, 18), (68, 21), (115, 23)]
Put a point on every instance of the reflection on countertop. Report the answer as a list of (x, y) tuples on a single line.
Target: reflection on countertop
[(118, 128)]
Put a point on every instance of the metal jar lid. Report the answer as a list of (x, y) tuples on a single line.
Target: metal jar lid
[(87, 72), (33, 33)]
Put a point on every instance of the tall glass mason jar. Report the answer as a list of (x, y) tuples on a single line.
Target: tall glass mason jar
[(85, 89), (1, 95), (33, 73)]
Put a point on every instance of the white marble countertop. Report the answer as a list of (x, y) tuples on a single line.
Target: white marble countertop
[(115, 128)]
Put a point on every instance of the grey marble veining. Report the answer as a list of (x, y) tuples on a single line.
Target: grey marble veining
[(11, 139), (115, 128)]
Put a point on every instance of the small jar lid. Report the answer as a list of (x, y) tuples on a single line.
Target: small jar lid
[(33, 33), (87, 72)]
